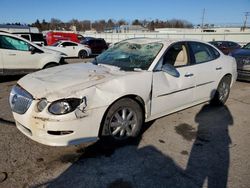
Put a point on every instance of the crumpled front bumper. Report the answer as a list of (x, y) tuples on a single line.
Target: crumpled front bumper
[(60, 132)]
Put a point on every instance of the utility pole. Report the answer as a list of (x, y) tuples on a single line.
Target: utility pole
[(202, 20), (245, 21)]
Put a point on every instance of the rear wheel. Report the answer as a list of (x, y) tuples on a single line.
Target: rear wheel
[(123, 120), (222, 92), (82, 54)]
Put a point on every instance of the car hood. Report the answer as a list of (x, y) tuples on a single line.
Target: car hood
[(66, 80), (51, 51), (241, 52)]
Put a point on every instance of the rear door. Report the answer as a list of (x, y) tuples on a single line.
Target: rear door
[(174, 85), (205, 62)]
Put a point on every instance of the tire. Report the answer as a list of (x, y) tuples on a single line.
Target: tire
[(123, 121), (82, 54), (49, 65), (222, 92)]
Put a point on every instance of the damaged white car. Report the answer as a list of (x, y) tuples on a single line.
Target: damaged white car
[(133, 82)]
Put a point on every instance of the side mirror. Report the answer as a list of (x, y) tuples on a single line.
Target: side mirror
[(170, 69), (32, 49)]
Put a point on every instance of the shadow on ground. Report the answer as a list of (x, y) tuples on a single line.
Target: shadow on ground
[(126, 166), (10, 78)]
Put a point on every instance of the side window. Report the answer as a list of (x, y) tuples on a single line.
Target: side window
[(68, 44), (11, 43), (202, 52), (176, 55), (27, 37), (232, 44), (65, 44)]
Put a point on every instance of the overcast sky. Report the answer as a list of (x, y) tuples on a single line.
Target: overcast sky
[(216, 11)]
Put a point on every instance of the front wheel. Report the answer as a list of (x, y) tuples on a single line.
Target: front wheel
[(82, 54), (123, 120), (222, 92)]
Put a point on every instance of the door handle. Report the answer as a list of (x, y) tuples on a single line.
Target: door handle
[(11, 54), (189, 74), (218, 68)]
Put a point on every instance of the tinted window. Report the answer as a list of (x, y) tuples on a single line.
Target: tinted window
[(11, 43), (69, 44), (27, 37), (232, 44), (203, 52), (37, 37)]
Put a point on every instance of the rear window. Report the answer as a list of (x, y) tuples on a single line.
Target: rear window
[(37, 37)]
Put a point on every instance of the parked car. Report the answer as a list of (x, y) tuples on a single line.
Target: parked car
[(97, 45), (242, 57), (71, 49), (133, 82), (20, 56), (54, 36), (226, 46), (36, 38)]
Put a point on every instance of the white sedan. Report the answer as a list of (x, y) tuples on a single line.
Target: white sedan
[(71, 49), (133, 82)]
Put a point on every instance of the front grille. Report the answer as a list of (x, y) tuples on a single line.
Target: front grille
[(20, 100), (242, 60)]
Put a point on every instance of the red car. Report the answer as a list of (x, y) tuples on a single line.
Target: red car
[(53, 37)]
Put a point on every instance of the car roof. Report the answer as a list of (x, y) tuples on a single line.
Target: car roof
[(27, 33), (21, 38), (91, 38), (158, 40), (61, 41)]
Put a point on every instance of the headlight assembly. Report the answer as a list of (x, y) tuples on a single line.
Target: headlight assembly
[(65, 106)]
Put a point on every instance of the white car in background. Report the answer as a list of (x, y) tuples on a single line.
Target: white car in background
[(20, 56), (133, 82), (71, 49)]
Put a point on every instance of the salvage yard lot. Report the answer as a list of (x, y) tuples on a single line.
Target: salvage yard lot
[(202, 145)]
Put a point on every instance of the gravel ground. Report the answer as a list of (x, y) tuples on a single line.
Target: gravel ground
[(202, 146)]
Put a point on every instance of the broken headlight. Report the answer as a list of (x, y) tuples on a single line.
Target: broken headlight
[(65, 106)]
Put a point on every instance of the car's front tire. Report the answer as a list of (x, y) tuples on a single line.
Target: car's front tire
[(222, 92), (82, 54), (123, 120)]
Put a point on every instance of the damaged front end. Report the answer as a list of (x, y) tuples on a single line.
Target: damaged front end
[(58, 123)]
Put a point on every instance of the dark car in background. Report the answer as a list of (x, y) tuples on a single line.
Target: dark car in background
[(242, 57), (225, 46), (97, 45)]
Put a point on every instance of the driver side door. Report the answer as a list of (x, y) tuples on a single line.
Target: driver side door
[(17, 57), (173, 92)]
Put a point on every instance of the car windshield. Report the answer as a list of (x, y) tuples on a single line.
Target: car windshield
[(247, 46), (130, 56)]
